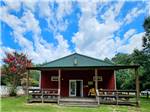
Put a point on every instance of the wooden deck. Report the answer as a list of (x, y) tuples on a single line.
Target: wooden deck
[(115, 97)]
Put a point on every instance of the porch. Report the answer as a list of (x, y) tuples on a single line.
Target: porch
[(115, 97)]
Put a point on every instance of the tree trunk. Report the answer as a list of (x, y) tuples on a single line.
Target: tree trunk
[(13, 91)]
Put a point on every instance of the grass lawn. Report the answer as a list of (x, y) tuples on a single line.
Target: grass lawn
[(18, 104)]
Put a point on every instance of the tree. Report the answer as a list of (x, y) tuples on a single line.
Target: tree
[(121, 58), (124, 77), (146, 37), (15, 65), (146, 50)]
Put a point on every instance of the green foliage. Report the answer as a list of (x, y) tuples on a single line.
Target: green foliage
[(147, 85), (108, 61), (124, 77), (35, 77), (146, 37), (121, 58), (14, 69)]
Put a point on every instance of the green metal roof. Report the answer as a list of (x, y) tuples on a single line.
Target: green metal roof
[(77, 60)]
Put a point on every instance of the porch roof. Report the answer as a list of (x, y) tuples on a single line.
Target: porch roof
[(80, 61)]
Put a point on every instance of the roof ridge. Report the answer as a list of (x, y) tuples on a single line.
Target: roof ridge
[(79, 55)]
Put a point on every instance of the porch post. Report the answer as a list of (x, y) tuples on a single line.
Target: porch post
[(96, 86), (59, 84), (137, 86), (27, 84), (96, 82)]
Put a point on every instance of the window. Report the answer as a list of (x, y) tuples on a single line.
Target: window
[(54, 78), (99, 78)]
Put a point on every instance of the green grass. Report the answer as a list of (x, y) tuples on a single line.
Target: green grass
[(18, 104)]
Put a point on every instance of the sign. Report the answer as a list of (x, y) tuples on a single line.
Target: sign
[(99, 78), (54, 78)]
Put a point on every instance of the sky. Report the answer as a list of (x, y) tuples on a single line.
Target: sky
[(49, 29)]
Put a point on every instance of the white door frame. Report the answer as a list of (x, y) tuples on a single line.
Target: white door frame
[(81, 90), (70, 87)]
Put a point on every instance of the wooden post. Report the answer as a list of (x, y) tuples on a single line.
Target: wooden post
[(59, 84), (27, 85), (96, 80), (116, 91), (96, 86), (137, 86)]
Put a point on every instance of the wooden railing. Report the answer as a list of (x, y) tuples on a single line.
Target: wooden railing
[(43, 95), (102, 96), (117, 96)]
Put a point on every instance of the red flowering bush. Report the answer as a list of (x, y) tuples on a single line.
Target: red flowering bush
[(16, 65)]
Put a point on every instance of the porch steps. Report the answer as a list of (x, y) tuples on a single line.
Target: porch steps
[(82, 102)]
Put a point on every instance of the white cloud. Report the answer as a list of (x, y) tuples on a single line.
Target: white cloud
[(132, 14), (118, 7), (112, 11), (39, 50), (148, 8), (44, 9), (95, 38), (30, 23), (55, 19), (64, 8), (16, 24), (29, 4), (8, 18), (135, 42), (44, 51), (16, 4), (13, 4), (128, 34)]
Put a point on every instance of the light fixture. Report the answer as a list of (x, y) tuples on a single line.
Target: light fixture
[(75, 61)]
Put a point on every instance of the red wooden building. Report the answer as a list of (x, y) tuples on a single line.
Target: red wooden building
[(78, 75)]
